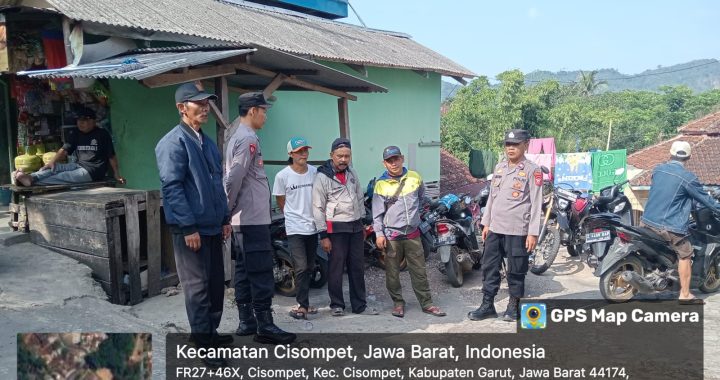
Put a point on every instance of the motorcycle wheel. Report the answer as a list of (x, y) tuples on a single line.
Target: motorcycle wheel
[(380, 262), (454, 271), (546, 251), (612, 286), (320, 274), (574, 250), (712, 281), (284, 265)]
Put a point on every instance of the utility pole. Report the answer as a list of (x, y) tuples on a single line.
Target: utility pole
[(607, 146)]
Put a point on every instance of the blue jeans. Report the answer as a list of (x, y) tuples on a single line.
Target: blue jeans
[(63, 174)]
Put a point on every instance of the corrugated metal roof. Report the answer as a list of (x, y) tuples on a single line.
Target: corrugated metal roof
[(248, 25), (157, 62), (148, 65)]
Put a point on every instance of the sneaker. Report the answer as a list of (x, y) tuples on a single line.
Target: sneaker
[(337, 312), (369, 311)]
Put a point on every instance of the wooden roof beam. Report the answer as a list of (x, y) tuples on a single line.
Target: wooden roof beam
[(191, 75), (294, 81)]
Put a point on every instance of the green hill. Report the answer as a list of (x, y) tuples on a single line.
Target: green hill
[(699, 75)]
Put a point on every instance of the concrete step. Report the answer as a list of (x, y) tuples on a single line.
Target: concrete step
[(11, 238)]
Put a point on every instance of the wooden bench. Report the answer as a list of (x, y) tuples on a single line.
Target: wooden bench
[(118, 233), (18, 213)]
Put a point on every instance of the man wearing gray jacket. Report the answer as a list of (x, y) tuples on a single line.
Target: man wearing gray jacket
[(248, 194), (338, 210)]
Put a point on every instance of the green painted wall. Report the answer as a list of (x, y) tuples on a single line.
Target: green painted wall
[(407, 115)]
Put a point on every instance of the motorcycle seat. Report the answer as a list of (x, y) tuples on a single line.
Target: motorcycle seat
[(650, 233)]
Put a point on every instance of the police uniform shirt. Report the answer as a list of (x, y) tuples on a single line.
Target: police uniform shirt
[(246, 182), (515, 203)]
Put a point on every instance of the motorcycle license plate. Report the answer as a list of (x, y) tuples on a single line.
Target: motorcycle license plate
[(567, 194), (445, 240), (595, 237), (424, 227)]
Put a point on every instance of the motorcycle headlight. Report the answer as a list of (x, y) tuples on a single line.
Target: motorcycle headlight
[(563, 203), (619, 207)]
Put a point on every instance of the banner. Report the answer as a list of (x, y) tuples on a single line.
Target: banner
[(604, 165), (574, 169)]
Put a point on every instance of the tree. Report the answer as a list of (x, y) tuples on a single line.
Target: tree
[(587, 85)]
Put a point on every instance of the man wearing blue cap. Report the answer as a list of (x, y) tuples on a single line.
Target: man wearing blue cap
[(293, 191), (196, 211)]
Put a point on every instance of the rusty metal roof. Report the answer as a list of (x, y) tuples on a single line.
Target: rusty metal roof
[(242, 23)]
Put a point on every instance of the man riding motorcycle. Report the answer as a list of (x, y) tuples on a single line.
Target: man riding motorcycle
[(667, 210)]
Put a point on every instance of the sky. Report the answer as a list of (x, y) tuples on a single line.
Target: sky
[(489, 37)]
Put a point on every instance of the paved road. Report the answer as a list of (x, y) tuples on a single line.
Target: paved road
[(43, 291)]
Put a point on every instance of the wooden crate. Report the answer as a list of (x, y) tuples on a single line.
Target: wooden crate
[(116, 232)]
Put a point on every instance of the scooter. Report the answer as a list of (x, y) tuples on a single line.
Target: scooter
[(640, 261), (457, 241), (284, 267)]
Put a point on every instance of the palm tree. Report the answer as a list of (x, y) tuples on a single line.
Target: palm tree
[(587, 85)]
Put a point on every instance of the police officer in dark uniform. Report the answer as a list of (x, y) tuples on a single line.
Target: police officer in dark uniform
[(248, 193), (511, 225)]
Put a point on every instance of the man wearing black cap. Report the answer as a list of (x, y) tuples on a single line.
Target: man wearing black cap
[(196, 210), (338, 210), (248, 197), (511, 225), (396, 206), (94, 150)]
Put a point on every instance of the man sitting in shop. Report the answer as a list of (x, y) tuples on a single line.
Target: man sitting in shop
[(94, 150)]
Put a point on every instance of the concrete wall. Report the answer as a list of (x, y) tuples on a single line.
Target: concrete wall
[(407, 115)]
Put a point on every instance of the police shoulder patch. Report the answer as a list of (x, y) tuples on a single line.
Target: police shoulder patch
[(253, 148), (538, 177)]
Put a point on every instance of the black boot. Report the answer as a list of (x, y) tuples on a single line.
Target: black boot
[(248, 324), (486, 309), (208, 341), (267, 332), (511, 313)]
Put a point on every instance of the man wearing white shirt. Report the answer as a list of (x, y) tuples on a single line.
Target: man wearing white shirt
[(293, 191)]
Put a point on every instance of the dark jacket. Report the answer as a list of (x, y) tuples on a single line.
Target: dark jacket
[(192, 188), (671, 194)]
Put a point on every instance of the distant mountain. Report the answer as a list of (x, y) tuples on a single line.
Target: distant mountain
[(699, 75)]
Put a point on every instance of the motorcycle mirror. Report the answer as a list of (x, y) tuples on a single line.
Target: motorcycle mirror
[(619, 171), (544, 169)]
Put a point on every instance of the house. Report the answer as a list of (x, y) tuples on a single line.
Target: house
[(703, 134), (382, 87)]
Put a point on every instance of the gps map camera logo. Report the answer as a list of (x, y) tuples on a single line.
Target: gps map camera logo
[(533, 316)]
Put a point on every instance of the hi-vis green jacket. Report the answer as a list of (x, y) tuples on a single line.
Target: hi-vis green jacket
[(403, 216)]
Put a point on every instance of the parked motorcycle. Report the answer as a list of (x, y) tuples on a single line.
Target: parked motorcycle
[(283, 265), (640, 261), (548, 243), (456, 237)]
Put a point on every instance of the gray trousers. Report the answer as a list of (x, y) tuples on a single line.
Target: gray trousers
[(62, 174), (202, 276)]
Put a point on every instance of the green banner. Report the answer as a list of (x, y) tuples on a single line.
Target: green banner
[(604, 165)]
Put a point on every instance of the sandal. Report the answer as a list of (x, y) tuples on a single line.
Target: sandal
[(434, 310), (692, 301), (398, 311), (298, 312), (312, 310)]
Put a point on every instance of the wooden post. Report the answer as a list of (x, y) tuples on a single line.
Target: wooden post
[(116, 262), (344, 118), (132, 231), (221, 91), (154, 247)]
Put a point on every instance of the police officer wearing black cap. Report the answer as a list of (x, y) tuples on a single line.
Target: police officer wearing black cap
[(248, 197), (511, 225), (196, 210)]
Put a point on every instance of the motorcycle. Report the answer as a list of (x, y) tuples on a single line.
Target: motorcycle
[(456, 237), (548, 243), (283, 265), (640, 261), (575, 208)]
